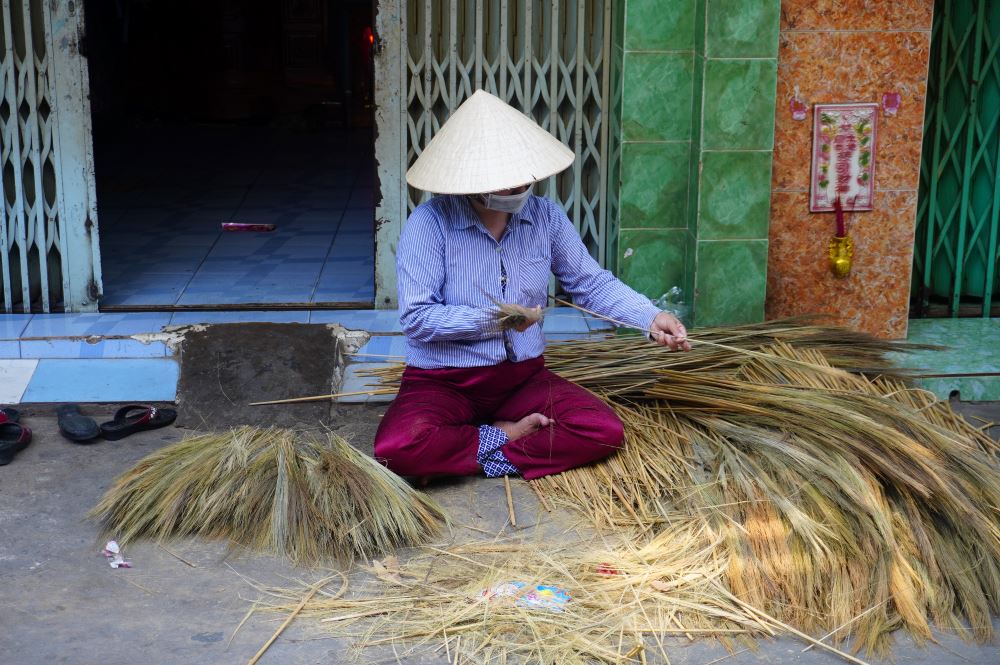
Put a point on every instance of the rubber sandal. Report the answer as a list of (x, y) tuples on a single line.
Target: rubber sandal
[(8, 415), (13, 439), (75, 426), (136, 418)]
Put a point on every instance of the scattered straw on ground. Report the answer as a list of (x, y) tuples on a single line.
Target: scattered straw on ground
[(440, 600)]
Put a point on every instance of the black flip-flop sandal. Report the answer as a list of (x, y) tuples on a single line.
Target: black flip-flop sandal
[(136, 418), (75, 426), (13, 439), (9, 415)]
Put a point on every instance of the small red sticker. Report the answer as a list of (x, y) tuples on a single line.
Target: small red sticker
[(891, 102)]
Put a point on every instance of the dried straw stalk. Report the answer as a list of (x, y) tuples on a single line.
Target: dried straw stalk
[(269, 490)]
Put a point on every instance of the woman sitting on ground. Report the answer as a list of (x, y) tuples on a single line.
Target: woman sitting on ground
[(475, 397)]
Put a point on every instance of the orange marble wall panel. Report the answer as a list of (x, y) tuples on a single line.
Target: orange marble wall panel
[(874, 297), (830, 67), (856, 14), (849, 51)]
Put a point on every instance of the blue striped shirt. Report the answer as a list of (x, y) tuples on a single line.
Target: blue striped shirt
[(449, 266)]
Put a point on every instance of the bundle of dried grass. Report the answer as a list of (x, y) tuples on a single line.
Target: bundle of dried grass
[(269, 490), (836, 496), (843, 498), (510, 315), (622, 600)]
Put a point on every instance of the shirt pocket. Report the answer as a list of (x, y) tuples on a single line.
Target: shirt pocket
[(535, 272)]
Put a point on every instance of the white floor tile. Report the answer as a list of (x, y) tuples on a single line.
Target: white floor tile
[(14, 378)]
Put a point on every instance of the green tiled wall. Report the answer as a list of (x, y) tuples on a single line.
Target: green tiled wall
[(743, 28), (694, 137), (655, 41), (654, 185), (652, 25), (735, 195), (652, 258)]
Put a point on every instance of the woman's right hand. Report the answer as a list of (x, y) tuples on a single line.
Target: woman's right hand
[(532, 316)]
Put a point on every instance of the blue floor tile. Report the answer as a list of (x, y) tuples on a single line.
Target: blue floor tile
[(596, 324), (972, 347), (114, 380), (10, 349), (134, 270), (84, 325), (15, 374), (159, 289), (555, 338), (11, 325), (216, 198), (263, 295), (100, 348), (277, 316), (354, 382), (381, 348), (256, 248), (346, 293), (371, 320), (564, 320)]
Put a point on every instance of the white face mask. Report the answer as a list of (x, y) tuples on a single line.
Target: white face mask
[(512, 203)]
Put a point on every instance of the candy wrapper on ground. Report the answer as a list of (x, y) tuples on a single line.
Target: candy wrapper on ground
[(113, 552), (538, 597)]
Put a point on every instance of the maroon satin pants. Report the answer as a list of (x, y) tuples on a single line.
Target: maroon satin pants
[(432, 427)]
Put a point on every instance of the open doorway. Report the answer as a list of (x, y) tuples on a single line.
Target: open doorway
[(220, 112)]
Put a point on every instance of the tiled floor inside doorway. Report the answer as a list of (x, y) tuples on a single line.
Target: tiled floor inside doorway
[(163, 193)]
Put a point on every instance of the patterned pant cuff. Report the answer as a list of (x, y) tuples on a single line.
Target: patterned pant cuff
[(498, 465), (490, 440)]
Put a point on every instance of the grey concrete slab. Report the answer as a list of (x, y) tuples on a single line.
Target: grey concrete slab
[(225, 367), (60, 602)]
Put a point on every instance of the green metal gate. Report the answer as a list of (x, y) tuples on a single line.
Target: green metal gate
[(958, 215), (548, 58)]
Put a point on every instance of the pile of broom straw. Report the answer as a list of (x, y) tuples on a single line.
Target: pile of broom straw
[(308, 497), (839, 498)]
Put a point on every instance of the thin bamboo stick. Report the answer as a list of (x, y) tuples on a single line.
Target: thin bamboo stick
[(291, 617), (320, 398), (177, 556), (541, 497), (510, 501), (796, 632)]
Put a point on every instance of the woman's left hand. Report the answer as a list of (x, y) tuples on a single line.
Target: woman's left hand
[(667, 330)]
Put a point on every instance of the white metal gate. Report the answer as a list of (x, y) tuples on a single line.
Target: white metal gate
[(548, 58), (49, 251)]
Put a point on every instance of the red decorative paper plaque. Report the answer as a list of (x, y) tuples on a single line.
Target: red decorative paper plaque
[(843, 163)]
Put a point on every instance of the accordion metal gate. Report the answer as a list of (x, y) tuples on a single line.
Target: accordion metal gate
[(49, 252), (958, 215), (548, 58)]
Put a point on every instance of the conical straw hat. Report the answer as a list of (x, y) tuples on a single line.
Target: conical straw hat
[(484, 146)]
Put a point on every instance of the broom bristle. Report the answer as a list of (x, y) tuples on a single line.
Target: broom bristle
[(509, 315), (835, 495), (269, 490), (842, 497)]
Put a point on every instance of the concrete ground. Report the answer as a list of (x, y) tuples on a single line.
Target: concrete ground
[(60, 602)]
